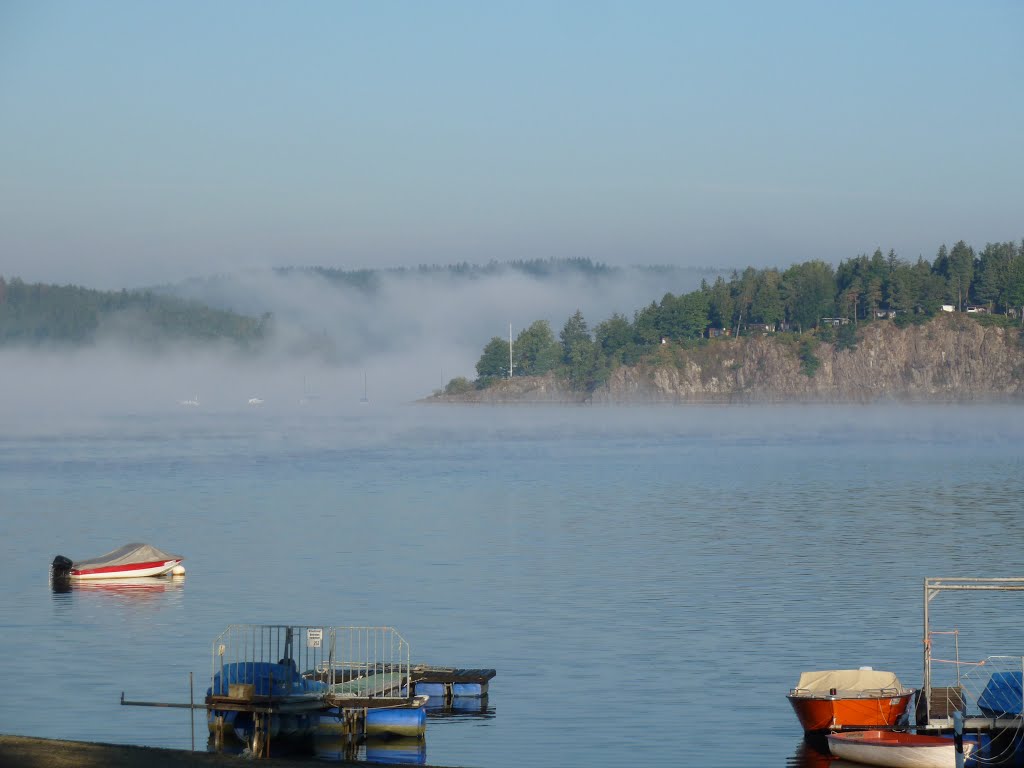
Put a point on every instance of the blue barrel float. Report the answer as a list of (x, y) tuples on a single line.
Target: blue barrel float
[(396, 721)]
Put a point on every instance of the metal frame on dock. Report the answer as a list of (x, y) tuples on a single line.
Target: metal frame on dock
[(357, 668), (361, 678), (932, 587)]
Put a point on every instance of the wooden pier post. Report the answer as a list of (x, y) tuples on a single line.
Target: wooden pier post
[(192, 709)]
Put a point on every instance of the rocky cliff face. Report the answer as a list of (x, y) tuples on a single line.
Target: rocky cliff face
[(952, 358)]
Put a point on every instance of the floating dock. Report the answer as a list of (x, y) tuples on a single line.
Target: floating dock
[(447, 683), (354, 683)]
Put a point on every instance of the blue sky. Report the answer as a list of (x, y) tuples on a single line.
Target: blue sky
[(143, 141)]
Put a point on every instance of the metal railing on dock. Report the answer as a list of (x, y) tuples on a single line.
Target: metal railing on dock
[(368, 661), (286, 677), (988, 694), (270, 680)]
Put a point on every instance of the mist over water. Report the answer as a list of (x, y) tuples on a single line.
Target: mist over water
[(403, 340)]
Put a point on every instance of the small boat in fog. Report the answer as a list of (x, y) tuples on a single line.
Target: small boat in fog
[(845, 699), (255, 401), (190, 403), (892, 749), (129, 561)]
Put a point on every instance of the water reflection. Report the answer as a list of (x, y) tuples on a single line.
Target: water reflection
[(460, 708), (400, 751), (132, 589), (812, 752), (1002, 750)]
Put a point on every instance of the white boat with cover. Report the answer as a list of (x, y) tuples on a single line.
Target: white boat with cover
[(130, 561)]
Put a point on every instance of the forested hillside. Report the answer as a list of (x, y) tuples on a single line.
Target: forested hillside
[(812, 297), (953, 357), (36, 313)]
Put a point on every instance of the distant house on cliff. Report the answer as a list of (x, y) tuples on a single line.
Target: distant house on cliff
[(882, 314), (973, 309), (718, 333), (763, 329), (948, 308), (835, 322)]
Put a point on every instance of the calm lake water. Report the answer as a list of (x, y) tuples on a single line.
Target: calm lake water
[(648, 583)]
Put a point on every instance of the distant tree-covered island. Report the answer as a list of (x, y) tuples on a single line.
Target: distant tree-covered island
[(800, 307), (247, 309), (34, 314)]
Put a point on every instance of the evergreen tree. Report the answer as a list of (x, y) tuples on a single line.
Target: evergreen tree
[(960, 272), (535, 350), (993, 275), (578, 352), (766, 306), (720, 304), (903, 289), (493, 363), (809, 293), (873, 296), (614, 339), (574, 333), (1015, 283)]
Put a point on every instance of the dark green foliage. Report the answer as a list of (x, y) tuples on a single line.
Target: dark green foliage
[(997, 321), (575, 333), (35, 313), (809, 292), (721, 306), (904, 319), (493, 363), (579, 353), (460, 385), (535, 351), (369, 280), (675, 318), (846, 337), (615, 342), (859, 290), (767, 306), (960, 273), (809, 362)]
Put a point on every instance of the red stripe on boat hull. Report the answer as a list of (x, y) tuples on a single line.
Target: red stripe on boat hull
[(154, 568)]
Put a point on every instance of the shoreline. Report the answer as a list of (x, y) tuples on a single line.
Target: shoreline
[(35, 752)]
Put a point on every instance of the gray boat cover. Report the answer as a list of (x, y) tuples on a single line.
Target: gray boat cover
[(848, 680), (126, 555)]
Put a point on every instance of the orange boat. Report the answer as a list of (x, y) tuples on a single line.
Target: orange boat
[(849, 699)]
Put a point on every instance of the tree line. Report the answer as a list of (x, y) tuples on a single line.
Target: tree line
[(369, 280), (796, 299), (39, 313)]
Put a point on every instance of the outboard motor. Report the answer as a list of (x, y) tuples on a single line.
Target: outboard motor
[(60, 569)]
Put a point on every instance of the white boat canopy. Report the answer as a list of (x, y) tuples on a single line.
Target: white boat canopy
[(848, 680), (126, 555)]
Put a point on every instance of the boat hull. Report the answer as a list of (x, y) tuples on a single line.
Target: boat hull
[(130, 571), (896, 750), (820, 714)]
